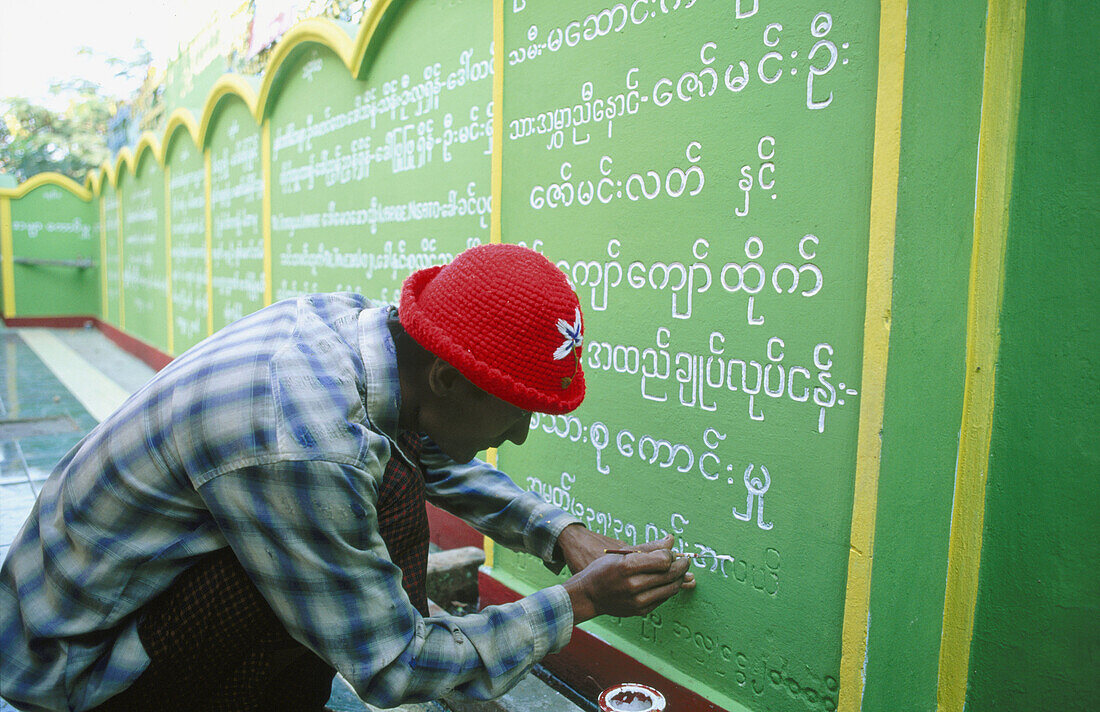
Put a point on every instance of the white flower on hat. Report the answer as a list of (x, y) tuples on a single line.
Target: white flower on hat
[(572, 333)]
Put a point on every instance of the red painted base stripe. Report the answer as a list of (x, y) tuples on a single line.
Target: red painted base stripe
[(154, 358), (589, 665), (50, 322)]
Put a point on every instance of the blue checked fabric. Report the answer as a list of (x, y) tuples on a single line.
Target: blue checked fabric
[(271, 438)]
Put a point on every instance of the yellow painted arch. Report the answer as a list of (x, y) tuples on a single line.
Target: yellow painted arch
[(42, 179), (105, 175), (125, 158), (147, 144), (367, 29), (92, 181), (259, 96), (318, 31), (181, 119), (227, 87)]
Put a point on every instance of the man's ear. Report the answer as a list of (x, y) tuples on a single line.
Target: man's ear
[(443, 378)]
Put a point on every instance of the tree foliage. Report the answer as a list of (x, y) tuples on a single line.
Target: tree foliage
[(35, 138)]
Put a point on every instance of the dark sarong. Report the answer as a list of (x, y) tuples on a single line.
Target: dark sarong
[(216, 646)]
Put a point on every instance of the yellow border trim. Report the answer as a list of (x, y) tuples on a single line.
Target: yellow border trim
[(92, 181), (105, 302), (148, 143), (497, 179), (996, 153), (171, 340), (316, 30), (367, 29), (121, 263), (350, 46), (124, 159), (228, 85), (49, 178), (265, 218), (7, 255), (180, 119), (209, 247), (876, 347), (487, 543), (104, 176), (258, 94)]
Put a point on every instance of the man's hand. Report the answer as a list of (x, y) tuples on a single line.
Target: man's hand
[(628, 585), (580, 547)]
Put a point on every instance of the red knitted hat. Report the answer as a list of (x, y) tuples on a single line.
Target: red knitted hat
[(507, 319)]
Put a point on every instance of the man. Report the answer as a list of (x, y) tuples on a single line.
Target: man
[(253, 519)]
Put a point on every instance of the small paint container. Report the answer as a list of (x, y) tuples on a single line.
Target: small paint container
[(631, 697)]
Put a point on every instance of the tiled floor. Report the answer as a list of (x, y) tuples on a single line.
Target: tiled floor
[(41, 420), (29, 395)]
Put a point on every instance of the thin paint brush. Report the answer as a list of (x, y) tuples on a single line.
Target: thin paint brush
[(720, 557)]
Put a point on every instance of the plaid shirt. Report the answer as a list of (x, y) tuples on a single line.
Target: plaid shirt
[(270, 437)]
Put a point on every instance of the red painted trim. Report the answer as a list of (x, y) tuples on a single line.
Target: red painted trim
[(450, 532), (590, 665), (49, 322), (154, 358)]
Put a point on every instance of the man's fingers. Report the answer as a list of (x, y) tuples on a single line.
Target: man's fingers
[(665, 543), (654, 597), (650, 561), (671, 576)]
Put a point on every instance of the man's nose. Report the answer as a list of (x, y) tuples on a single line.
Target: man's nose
[(519, 431)]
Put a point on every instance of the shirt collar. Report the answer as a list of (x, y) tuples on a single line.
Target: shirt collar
[(382, 385)]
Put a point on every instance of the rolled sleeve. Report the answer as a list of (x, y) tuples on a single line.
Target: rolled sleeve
[(493, 504)]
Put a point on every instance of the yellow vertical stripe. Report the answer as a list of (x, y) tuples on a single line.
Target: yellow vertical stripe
[(487, 543), (7, 255), (121, 262), (209, 248), (996, 151), (168, 256), (876, 342), (498, 122), (106, 301), (265, 166)]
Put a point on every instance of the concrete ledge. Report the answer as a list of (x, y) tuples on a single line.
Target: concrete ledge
[(452, 575), (530, 695)]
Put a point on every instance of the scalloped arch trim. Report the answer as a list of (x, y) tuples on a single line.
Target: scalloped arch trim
[(258, 95)]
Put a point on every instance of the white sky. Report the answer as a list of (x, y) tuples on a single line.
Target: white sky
[(39, 40)]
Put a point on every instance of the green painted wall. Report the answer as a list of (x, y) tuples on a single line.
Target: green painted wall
[(1037, 622), (925, 378), (236, 201), (144, 257), (49, 225), (653, 157), (187, 232), (112, 308)]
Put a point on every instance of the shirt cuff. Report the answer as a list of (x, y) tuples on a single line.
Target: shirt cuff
[(550, 613), (540, 536)]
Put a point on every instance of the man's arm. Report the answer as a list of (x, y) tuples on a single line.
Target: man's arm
[(306, 533), (493, 504)]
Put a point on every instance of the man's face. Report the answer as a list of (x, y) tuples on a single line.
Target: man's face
[(470, 420)]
